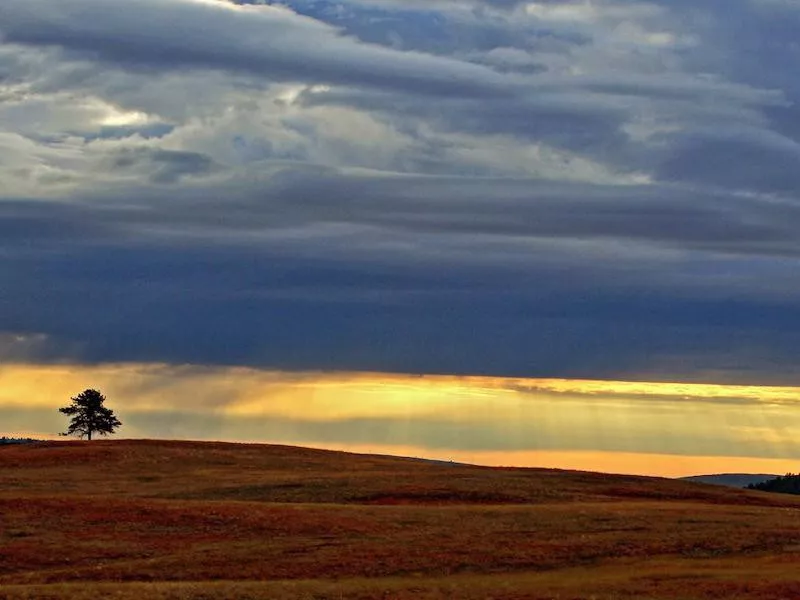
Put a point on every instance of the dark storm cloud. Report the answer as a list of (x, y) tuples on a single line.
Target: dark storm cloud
[(161, 166), (556, 114), (675, 216), (769, 163), (421, 26), (163, 35), (588, 115), (158, 276), (750, 42), (598, 189), (671, 217)]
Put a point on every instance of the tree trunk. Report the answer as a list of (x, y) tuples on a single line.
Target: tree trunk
[(90, 435)]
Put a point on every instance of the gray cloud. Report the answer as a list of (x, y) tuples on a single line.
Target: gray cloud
[(161, 166), (267, 41), (597, 189), (509, 213), (207, 275)]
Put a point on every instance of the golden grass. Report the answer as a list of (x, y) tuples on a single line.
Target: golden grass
[(147, 519)]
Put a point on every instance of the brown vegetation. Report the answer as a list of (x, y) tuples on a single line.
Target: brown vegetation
[(181, 520)]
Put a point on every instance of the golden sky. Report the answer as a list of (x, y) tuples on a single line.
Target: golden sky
[(633, 427)]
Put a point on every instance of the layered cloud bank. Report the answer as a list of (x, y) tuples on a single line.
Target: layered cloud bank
[(573, 189)]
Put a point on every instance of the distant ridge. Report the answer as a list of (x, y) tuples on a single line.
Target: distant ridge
[(738, 480)]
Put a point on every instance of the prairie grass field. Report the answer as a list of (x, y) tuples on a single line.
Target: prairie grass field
[(198, 520)]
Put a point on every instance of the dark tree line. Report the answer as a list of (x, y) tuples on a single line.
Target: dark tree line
[(15, 440), (786, 484)]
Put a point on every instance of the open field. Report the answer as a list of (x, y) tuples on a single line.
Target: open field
[(185, 520)]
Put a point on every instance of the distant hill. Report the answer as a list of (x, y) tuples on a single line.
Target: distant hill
[(786, 484), (737, 480)]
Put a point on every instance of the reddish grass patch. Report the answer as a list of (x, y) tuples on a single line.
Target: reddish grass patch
[(159, 511)]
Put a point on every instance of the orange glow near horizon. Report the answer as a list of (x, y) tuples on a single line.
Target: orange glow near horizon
[(627, 463), (625, 427)]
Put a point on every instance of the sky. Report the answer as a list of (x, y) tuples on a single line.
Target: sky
[(507, 190), (622, 427)]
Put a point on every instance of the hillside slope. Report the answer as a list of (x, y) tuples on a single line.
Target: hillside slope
[(190, 520), (272, 473)]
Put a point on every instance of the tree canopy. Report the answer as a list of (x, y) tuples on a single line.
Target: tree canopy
[(787, 484), (89, 416)]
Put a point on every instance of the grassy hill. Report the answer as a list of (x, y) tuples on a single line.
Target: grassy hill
[(186, 520)]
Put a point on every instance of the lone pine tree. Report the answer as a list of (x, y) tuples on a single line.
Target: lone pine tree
[(89, 415)]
